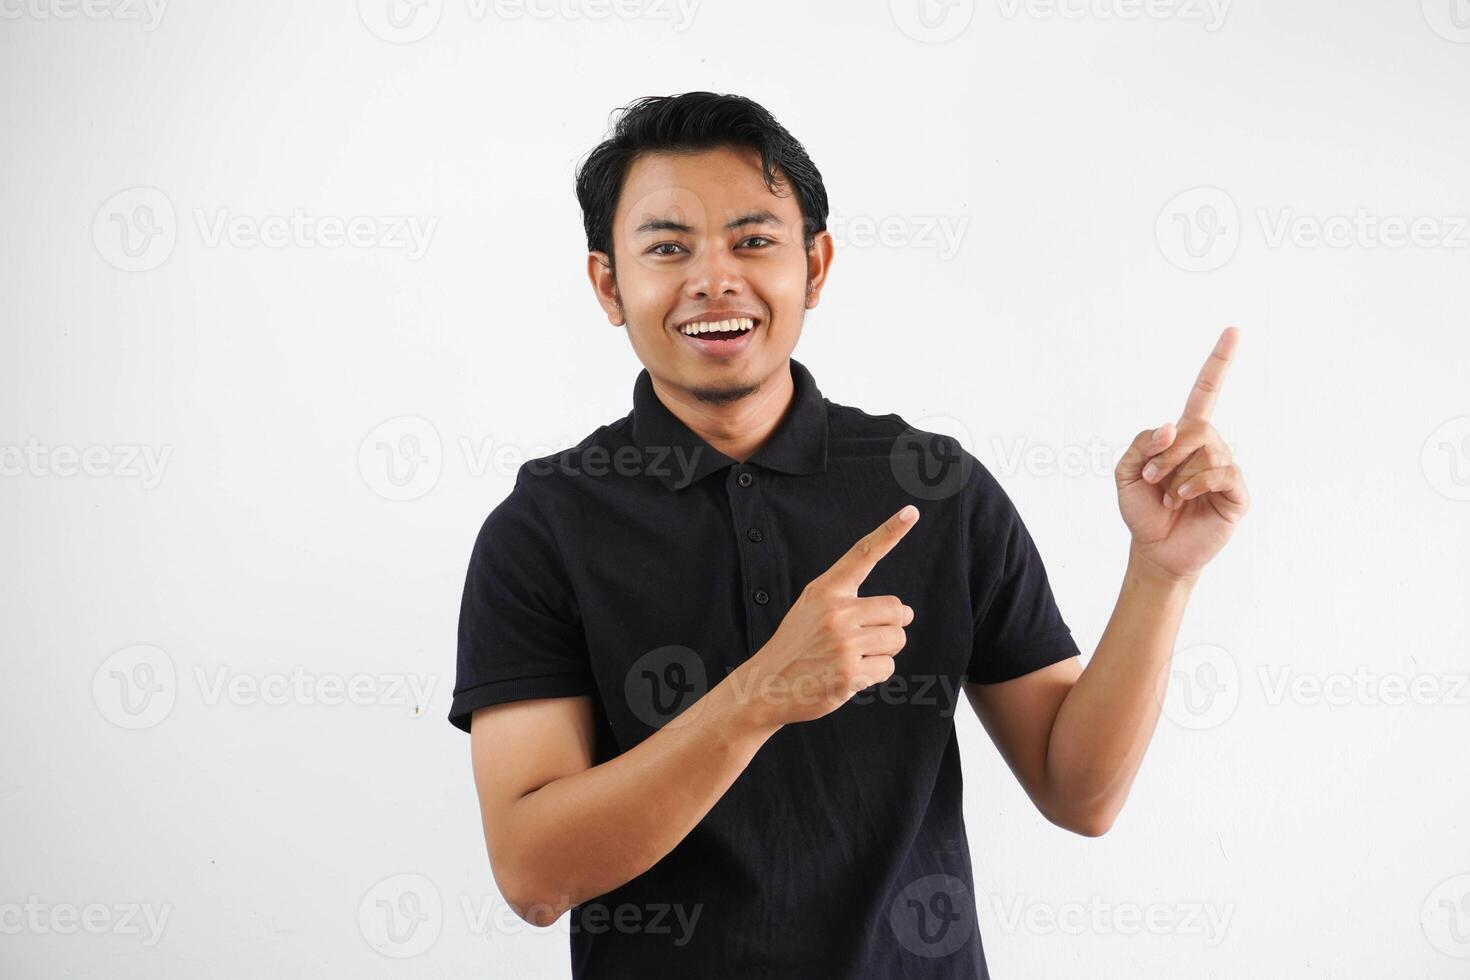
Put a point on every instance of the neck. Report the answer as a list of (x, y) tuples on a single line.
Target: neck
[(739, 427)]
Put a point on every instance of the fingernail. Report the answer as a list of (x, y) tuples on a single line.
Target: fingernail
[(1183, 490), (1150, 471), (908, 513), (1168, 502)]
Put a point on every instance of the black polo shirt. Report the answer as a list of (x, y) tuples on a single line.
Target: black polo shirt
[(640, 566)]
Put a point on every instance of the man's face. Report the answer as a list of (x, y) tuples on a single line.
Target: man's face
[(699, 237)]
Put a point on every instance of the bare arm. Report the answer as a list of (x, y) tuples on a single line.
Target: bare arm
[(560, 831), (1074, 738)]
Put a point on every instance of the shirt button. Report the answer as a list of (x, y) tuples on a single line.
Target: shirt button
[(745, 479), (754, 534), (762, 597)]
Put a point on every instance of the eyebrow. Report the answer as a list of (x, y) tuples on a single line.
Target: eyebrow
[(761, 217)]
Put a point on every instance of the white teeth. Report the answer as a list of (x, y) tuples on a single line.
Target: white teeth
[(737, 324)]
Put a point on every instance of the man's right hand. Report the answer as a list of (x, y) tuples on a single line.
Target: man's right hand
[(832, 643)]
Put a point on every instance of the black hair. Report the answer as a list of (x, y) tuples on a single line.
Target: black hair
[(688, 122)]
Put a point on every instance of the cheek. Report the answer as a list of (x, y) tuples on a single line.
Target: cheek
[(783, 290), (646, 296)]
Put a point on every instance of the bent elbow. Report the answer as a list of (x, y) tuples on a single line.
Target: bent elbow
[(1094, 827), (541, 914), (1085, 823), (534, 909), (527, 899), (1093, 823)]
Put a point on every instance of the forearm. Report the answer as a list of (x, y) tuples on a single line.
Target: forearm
[(1104, 725), (585, 834)]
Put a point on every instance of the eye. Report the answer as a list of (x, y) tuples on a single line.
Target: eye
[(655, 249), (758, 238)]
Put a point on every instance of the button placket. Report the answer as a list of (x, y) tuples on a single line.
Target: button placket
[(756, 558)]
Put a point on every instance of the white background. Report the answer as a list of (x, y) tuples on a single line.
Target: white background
[(1073, 149)]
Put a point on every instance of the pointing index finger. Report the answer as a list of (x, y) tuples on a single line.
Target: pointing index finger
[(1207, 386), (853, 567)]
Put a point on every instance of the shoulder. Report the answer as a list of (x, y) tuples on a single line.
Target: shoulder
[(928, 461), (546, 483), (545, 479), (850, 421)]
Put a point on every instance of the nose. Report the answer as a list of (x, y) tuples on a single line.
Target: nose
[(713, 274)]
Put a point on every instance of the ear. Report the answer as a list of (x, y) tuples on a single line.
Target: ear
[(599, 271), (818, 264)]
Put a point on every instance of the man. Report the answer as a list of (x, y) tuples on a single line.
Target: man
[(709, 657)]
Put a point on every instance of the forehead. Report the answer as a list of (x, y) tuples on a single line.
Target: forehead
[(699, 188)]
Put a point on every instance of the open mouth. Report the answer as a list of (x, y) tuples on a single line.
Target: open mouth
[(721, 336)]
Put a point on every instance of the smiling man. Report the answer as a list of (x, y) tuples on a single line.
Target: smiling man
[(709, 657)]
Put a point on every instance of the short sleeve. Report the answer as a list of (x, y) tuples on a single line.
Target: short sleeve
[(520, 632), (1018, 627)]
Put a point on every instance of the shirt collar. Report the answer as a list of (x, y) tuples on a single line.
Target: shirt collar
[(798, 445)]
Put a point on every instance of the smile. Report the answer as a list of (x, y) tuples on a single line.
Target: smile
[(720, 337)]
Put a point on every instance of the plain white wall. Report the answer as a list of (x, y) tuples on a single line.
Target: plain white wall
[(1045, 215)]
